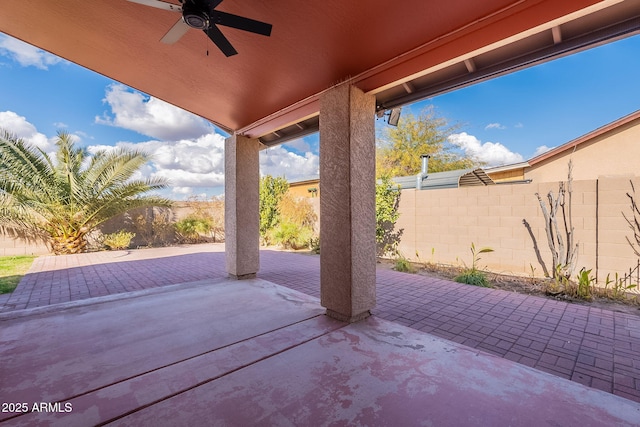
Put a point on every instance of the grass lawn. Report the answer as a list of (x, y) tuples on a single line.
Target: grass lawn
[(12, 268)]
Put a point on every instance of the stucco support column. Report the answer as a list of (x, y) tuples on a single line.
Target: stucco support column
[(347, 203), (241, 206)]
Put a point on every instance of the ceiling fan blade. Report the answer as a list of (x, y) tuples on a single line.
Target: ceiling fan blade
[(212, 4), (221, 41), (178, 30), (159, 4), (241, 23)]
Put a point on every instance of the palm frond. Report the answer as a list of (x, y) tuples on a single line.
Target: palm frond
[(69, 164), (114, 169), (23, 166), (69, 197), (120, 202)]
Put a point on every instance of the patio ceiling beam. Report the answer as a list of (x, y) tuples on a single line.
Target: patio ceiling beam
[(566, 47)]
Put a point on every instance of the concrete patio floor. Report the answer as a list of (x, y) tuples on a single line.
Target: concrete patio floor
[(222, 352), (66, 335)]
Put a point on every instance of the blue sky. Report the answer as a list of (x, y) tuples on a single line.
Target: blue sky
[(505, 120)]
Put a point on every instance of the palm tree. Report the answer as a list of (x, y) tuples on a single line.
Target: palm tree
[(63, 200)]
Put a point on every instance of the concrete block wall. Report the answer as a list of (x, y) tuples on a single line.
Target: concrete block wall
[(10, 246), (440, 225), (614, 252)]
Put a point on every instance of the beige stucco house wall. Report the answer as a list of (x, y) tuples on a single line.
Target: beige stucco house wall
[(611, 150), (308, 188)]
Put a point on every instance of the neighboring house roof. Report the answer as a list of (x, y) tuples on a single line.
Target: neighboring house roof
[(449, 179), (586, 138), (307, 180), (505, 168), (571, 145)]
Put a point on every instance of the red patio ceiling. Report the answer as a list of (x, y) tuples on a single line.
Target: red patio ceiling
[(274, 80)]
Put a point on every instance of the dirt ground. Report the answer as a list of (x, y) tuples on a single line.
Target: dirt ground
[(523, 285)]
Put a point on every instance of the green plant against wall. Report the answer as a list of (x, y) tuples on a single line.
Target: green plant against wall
[(191, 228), (272, 190), (292, 236), (387, 203), (296, 227), (473, 275), (403, 265), (118, 240), (584, 284), (211, 212), (617, 287)]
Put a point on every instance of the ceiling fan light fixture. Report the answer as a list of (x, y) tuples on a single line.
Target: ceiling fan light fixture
[(195, 18)]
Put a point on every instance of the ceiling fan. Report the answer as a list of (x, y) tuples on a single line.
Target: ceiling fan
[(201, 15)]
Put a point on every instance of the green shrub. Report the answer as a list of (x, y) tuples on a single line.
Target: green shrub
[(291, 236), (403, 265), (272, 190), (619, 289), (473, 277), (387, 203), (585, 282), (118, 240), (191, 228)]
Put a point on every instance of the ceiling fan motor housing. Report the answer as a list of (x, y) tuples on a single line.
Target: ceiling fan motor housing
[(194, 16)]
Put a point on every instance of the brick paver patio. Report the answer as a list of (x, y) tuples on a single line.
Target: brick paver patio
[(592, 346)]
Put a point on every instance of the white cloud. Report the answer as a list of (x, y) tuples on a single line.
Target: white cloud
[(491, 153), (19, 126), (184, 191), (278, 161), (519, 125), (494, 126), (25, 54), (150, 116), (192, 164), (82, 135), (542, 149), (186, 164)]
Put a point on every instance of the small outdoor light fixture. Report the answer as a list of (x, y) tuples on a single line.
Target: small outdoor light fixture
[(393, 115)]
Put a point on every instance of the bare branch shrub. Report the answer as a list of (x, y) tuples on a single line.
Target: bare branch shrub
[(633, 221), (560, 236)]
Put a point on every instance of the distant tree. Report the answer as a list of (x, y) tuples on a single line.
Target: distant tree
[(65, 198), (399, 148), (271, 192)]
